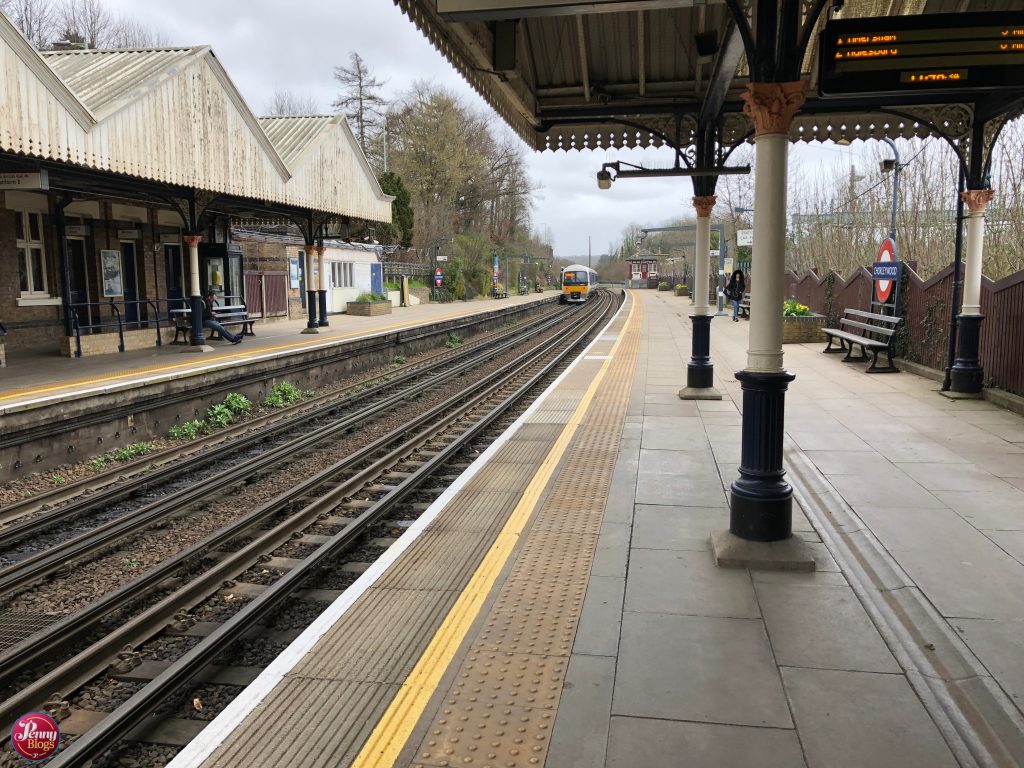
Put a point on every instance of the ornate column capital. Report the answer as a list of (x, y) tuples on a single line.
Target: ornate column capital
[(704, 204), (193, 241), (317, 249), (772, 105), (977, 200)]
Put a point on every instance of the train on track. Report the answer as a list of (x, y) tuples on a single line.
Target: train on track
[(578, 284)]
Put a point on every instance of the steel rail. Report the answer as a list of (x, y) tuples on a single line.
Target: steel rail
[(133, 712), (30, 569), (277, 421), (54, 638)]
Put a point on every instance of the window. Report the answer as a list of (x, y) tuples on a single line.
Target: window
[(28, 234), (341, 275)]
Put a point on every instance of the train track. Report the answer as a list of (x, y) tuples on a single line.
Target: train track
[(58, 505), (420, 449)]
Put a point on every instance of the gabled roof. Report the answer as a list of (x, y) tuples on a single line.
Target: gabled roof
[(126, 117), (292, 134), (100, 77)]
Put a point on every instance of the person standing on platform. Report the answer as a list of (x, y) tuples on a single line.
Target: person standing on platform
[(734, 292), (209, 321)]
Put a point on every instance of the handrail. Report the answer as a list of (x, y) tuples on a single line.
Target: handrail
[(120, 325), (78, 330), (156, 315)]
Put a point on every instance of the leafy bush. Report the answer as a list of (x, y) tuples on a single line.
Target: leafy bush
[(370, 297), (793, 308), (662, 286), (283, 394), (237, 404), (399, 360), (190, 430), (679, 286), (454, 340), (218, 417)]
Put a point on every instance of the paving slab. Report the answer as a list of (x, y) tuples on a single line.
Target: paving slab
[(579, 737), (635, 742), (667, 581), (823, 627), (698, 668), (676, 527), (858, 719), (598, 631)]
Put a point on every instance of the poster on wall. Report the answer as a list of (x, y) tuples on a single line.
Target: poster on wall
[(110, 264), (293, 272)]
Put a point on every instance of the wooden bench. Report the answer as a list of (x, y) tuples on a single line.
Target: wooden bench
[(744, 309), (524, 291), (866, 330), (230, 315), (499, 293)]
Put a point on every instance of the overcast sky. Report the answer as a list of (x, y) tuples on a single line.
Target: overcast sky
[(267, 45)]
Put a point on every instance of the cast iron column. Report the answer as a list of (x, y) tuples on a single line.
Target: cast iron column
[(967, 375), (322, 285), (700, 372), (195, 290), (312, 326), (760, 500)]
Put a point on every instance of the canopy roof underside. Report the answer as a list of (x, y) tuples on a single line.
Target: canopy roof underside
[(596, 78)]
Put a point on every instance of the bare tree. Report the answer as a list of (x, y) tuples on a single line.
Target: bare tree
[(37, 20), (360, 98), (129, 32), (285, 102), (85, 21)]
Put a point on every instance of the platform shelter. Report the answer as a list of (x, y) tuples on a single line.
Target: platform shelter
[(120, 174), (704, 78)]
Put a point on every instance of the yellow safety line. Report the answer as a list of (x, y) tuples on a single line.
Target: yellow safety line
[(392, 732), (239, 355)]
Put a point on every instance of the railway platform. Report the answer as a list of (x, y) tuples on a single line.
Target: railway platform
[(559, 604), (39, 376)]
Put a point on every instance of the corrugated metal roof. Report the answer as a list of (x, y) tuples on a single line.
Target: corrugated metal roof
[(292, 134), (99, 77)]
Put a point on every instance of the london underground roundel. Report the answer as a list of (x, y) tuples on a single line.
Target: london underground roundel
[(883, 288)]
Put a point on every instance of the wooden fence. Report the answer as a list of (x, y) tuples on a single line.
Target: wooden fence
[(926, 309)]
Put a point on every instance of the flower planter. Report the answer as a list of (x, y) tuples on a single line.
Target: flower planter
[(682, 291), (368, 308), (802, 329)]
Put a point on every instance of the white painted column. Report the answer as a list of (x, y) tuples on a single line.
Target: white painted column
[(321, 281), (977, 201), (702, 254), (764, 352), (312, 282), (193, 241)]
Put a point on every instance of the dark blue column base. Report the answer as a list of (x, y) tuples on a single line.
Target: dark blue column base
[(323, 309), (760, 500), (195, 304), (700, 371), (311, 306), (967, 375)]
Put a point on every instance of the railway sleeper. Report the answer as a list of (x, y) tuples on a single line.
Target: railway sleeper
[(207, 628), (176, 732)]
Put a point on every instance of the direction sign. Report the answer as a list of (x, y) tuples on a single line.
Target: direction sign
[(744, 237), (946, 53)]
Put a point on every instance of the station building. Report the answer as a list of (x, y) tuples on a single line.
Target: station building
[(122, 176)]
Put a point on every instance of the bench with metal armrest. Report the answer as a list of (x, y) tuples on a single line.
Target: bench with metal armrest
[(869, 331), (230, 315), (499, 293)]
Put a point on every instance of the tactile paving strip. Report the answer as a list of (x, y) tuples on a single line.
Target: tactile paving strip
[(499, 712)]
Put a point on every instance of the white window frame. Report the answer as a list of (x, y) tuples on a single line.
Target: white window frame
[(35, 295)]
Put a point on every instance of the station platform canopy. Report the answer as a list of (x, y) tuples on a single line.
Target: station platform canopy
[(604, 74)]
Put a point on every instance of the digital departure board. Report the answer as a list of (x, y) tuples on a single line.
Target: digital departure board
[(943, 53)]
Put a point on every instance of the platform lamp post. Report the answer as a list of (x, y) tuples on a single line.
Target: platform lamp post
[(895, 166), (433, 272)]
